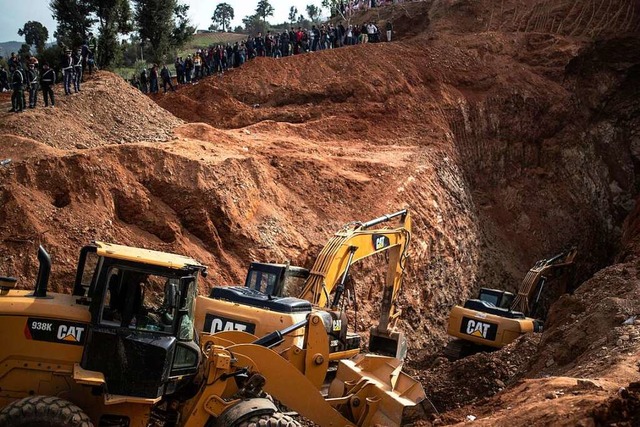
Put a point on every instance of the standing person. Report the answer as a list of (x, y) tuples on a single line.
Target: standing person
[(153, 79), (259, 44), (77, 71), (92, 42), (188, 68), (47, 80), (4, 79), (67, 71), (341, 33), (144, 81), (389, 28), (32, 78), (349, 37), (165, 74), (197, 64), (17, 97)]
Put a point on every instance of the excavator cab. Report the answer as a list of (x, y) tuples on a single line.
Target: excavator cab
[(498, 298), (278, 280)]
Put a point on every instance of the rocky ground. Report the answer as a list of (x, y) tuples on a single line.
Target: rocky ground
[(510, 131)]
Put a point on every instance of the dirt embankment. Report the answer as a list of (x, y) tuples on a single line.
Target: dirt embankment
[(509, 135)]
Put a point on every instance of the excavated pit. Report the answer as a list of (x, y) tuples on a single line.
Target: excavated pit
[(510, 131)]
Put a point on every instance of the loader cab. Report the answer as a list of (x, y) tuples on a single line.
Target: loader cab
[(142, 304)]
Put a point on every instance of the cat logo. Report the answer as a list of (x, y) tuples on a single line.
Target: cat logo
[(380, 242), (478, 329), (337, 325), (215, 323), (70, 333), (56, 331)]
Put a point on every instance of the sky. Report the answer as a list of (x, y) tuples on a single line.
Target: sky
[(16, 13)]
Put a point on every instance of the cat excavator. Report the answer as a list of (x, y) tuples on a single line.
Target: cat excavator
[(496, 318), (265, 303)]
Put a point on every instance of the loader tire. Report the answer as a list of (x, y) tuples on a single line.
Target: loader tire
[(43, 411), (277, 419)]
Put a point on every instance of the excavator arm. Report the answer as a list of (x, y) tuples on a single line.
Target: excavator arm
[(542, 271), (352, 244)]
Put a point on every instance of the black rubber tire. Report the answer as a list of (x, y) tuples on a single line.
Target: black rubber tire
[(277, 419), (43, 411)]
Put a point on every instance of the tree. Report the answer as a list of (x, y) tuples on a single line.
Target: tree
[(293, 12), (75, 18), (24, 52), (115, 18), (253, 24), (314, 12), (263, 10), (342, 8), (162, 26), (35, 34), (223, 16)]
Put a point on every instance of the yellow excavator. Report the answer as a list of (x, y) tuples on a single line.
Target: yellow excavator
[(497, 317), (121, 351), (265, 303)]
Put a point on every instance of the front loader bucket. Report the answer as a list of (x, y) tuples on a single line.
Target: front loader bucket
[(388, 343), (378, 392)]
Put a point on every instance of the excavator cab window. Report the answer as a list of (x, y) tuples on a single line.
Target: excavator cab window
[(276, 280), (498, 298)]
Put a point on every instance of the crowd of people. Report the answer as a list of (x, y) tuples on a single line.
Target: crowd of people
[(219, 58), (27, 74)]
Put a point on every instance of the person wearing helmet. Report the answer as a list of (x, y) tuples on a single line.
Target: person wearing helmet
[(47, 80), (77, 70), (32, 78), (17, 97), (67, 71)]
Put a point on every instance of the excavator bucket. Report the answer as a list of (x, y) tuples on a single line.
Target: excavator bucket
[(388, 343), (378, 392)]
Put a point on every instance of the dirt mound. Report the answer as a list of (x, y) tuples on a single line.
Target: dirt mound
[(451, 385), (622, 410), (106, 111)]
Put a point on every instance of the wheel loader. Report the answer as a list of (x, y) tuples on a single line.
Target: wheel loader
[(121, 351), (496, 318), (266, 301)]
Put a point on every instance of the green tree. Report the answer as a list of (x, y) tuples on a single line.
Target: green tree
[(75, 18), (115, 19), (253, 24), (35, 34), (263, 10), (314, 12), (223, 16), (24, 52), (162, 26), (293, 12)]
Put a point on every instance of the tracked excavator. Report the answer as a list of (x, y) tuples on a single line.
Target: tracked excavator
[(121, 350), (496, 318), (265, 303)]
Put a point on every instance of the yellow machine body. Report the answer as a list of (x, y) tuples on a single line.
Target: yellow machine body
[(233, 316), (486, 329), (496, 318), (49, 340)]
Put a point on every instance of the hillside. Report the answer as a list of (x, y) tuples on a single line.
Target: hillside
[(510, 130)]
